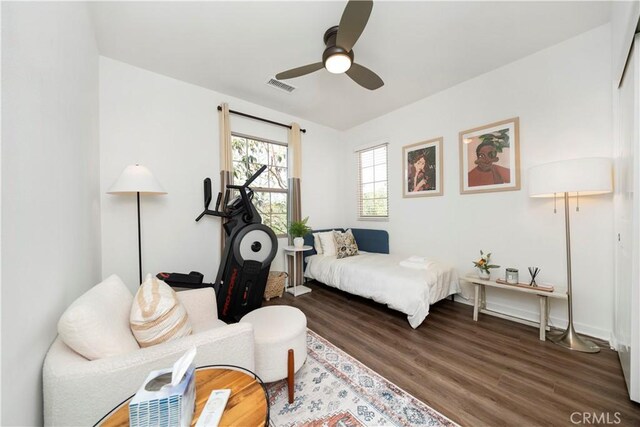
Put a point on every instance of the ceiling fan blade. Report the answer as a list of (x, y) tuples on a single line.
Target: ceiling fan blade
[(300, 71), (354, 19), (364, 77)]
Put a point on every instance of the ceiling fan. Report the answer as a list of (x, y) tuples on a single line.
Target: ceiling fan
[(337, 58)]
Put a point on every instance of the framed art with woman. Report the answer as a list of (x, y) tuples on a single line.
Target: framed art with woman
[(490, 158), (422, 164)]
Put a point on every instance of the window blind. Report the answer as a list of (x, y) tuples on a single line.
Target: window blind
[(372, 183)]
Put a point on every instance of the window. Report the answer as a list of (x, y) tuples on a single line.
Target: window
[(372, 183), (270, 189)]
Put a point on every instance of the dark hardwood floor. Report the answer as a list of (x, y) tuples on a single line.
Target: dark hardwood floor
[(490, 373)]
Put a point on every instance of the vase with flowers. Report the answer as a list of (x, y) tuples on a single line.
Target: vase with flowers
[(484, 266)]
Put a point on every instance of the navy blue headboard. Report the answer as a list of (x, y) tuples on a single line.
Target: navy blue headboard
[(368, 240)]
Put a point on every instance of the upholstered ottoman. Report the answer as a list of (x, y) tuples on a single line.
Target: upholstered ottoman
[(280, 335)]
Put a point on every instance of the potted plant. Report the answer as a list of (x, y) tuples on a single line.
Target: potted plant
[(483, 265), (299, 229)]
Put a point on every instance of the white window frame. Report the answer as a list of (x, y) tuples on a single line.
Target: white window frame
[(359, 151), (263, 189)]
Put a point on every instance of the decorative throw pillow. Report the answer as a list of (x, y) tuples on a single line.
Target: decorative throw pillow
[(96, 325), (345, 244), (328, 244), (157, 315), (317, 244)]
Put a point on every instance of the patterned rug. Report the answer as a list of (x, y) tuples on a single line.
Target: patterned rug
[(334, 389)]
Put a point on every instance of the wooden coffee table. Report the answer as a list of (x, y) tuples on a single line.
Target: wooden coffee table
[(247, 405)]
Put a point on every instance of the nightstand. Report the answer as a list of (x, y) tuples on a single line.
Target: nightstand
[(294, 252)]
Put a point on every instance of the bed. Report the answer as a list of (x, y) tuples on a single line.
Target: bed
[(377, 275)]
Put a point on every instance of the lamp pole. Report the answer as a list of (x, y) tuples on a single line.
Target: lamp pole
[(588, 177), (569, 338), (137, 179), (139, 239)]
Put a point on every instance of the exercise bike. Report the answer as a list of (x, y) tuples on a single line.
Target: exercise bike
[(249, 250)]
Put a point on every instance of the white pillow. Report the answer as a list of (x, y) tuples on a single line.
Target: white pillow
[(317, 244), (328, 243), (157, 315), (96, 325)]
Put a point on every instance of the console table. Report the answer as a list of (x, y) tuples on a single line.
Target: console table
[(247, 404), (480, 301)]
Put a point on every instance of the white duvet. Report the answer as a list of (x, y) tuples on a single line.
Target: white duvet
[(381, 278)]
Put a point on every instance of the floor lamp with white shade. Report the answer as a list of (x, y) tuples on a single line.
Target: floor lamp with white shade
[(576, 177), (136, 179)]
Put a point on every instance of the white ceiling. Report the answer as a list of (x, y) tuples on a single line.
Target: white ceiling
[(418, 48)]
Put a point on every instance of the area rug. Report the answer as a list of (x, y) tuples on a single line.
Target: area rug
[(334, 389)]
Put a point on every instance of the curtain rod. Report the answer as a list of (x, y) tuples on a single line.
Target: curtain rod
[(260, 118)]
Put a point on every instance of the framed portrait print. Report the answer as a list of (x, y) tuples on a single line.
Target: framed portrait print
[(490, 158), (422, 167)]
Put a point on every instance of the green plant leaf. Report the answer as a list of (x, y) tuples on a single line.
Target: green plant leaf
[(299, 228)]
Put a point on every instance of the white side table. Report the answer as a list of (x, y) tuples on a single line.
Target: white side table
[(293, 252)]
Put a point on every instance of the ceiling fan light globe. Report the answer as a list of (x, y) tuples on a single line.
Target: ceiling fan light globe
[(338, 63)]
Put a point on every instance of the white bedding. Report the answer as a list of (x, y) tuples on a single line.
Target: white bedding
[(381, 278)]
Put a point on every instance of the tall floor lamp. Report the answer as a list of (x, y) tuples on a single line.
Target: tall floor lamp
[(577, 177), (137, 179)]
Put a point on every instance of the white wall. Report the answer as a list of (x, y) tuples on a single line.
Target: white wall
[(563, 98), (50, 172), (172, 128)]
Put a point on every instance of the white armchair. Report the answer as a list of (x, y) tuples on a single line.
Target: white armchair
[(78, 391)]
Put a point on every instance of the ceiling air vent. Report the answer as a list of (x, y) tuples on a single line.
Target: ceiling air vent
[(281, 85)]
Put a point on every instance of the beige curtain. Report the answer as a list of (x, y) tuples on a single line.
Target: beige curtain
[(225, 161), (294, 208), (295, 151)]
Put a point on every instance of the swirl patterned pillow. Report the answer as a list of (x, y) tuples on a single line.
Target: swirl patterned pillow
[(157, 315), (345, 244)]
